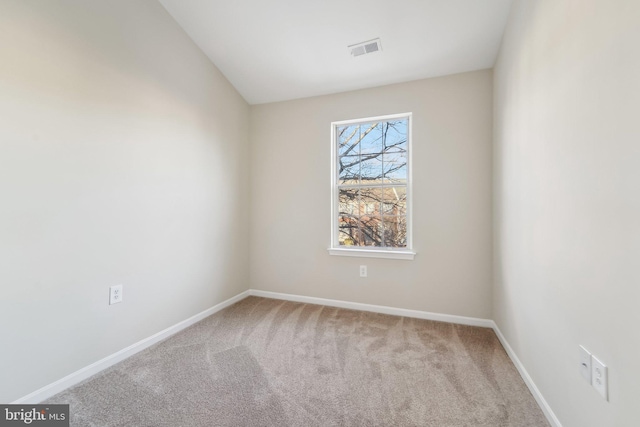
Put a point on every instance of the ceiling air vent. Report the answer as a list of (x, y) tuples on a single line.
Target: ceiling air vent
[(365, 47)]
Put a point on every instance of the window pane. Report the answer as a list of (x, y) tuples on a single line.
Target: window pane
[(348, 170), (370, 200), (394, 135), (348, 217), (348, 137), (348, 202), (360, 231), (371, 138), (395, 231), (395, 201), (346, 238), (395, 168), (359, 220), (371, 229), (371, 169)]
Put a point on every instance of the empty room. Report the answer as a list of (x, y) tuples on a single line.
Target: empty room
[(329, 213)]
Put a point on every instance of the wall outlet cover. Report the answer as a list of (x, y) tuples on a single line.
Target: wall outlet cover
[(363, 271), (115, 294), (599, 377)]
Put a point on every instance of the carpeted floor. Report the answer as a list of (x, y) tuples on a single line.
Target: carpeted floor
[(264, 362)]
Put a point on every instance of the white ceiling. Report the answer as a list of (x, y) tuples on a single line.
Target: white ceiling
[(274, 50)]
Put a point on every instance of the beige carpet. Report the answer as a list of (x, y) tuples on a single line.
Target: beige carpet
[(264, 362)]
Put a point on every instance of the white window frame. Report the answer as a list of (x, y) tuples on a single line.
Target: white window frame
[(406, 253)]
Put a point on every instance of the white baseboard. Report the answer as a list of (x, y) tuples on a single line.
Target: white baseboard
[(88, 371), (551, 417), (449, 318)]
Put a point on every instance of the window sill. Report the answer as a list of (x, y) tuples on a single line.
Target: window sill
[(368, 253)]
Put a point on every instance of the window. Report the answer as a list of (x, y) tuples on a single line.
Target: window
[(371, 187)]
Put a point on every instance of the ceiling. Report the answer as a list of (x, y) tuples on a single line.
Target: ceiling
[(277, 50)]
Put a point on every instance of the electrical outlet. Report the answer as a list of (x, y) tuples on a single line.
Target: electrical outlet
[(115, 294), (599, 377), (363, 271), (585, 364)]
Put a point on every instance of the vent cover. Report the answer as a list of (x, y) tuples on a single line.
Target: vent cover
[(363, 48)]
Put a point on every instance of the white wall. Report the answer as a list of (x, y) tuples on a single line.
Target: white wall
[(123, 160), (290, 184), (567, 200)]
